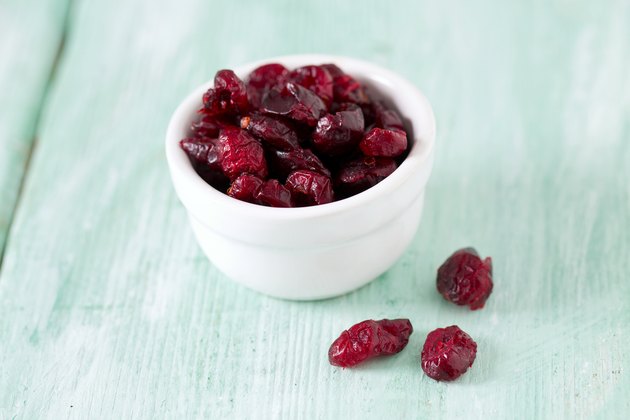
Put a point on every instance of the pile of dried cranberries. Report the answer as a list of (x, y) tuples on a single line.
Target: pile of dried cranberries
[(463, 279), (293, 138)]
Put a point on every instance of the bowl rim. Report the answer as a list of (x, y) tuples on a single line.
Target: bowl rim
[(419, 155)]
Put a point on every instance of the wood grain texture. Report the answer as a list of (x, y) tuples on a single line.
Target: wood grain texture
[(109, 310), (30, 34)]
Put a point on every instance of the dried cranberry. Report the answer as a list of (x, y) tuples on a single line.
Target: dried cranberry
[(309, 188), (361, 174), (383, 142), (293, 127), (339, 133), (387, 118), (274, 194), (244, 187), (268, 76), (465, 279), (208, 126), (447, 353), (252, 189), (347, 89), (295, 102), (203, 150), (333, 69), (241, 153), (369, 114), (285, 162), (315, 78), (271, 130), (215, 178), (228, 96), (264, 78), (369, 339)]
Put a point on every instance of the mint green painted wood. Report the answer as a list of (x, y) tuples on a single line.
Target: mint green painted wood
[(109, 310), (30, 32)]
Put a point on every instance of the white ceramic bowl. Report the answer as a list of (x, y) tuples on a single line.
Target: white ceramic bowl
[(310, 252)]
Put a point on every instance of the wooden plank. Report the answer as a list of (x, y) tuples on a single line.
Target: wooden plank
[(30, 34), (109, 310)]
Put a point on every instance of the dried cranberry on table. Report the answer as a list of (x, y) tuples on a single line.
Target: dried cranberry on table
[(369, 339), (293, 137), (447, 353), (465, 279)]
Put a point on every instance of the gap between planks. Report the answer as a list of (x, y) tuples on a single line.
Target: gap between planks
[(52, 73)]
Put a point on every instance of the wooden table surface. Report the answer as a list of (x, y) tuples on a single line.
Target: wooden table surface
[(108, 309)]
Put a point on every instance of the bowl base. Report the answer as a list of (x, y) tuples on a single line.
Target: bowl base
[(311, 273)]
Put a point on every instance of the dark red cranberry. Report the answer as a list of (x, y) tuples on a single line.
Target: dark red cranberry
[(295, 102), (383, 142), (264, 78), (284, 162), (283, 115), (361, 174), (268, 76), (208, 126), (228, 96), (203, 150), (448, 353), (215, 178), (465, 279), (346, 106), (271, 130), (366, 109), (244, 187), (340, 133), (241, 153), (369, 339), (347, 89), (274, 194), (387, 118), (334, 70), (315, 78), (309, 188)]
